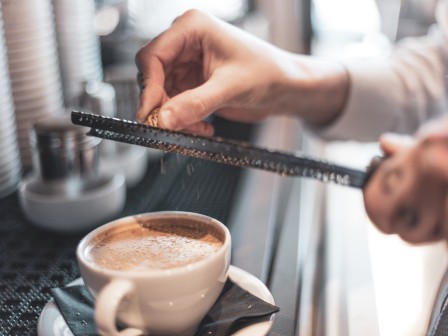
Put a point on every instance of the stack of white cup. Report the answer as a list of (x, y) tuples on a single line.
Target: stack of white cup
[(10, 166), (79, 46), (33, 65)]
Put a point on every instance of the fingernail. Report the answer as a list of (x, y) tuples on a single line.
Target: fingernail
[(140, 120), (208, 129), (165, 119), (139, 114)]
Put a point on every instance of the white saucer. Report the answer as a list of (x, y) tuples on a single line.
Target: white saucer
[(52, 323)]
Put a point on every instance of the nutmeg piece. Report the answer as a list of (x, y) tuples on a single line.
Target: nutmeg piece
[(153, 118)]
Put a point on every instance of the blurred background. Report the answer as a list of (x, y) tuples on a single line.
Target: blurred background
[(52, 48), (60, 55)]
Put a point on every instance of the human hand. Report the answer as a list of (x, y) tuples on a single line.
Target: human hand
[(408, 195), (202, 65)]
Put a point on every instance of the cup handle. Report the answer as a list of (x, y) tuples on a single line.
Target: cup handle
[(106, 307)]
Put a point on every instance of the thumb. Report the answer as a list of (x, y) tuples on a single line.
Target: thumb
[(391, 143), (435, 157), (192, 106), (434, 128)]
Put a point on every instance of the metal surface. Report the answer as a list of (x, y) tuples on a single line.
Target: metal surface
[(32, 260), (277, 232), (219, 150), (62, 151)]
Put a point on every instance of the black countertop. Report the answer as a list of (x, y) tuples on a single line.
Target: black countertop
[(262, 210), (33, 260)]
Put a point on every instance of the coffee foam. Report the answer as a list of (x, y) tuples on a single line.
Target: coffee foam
[(155, 244)]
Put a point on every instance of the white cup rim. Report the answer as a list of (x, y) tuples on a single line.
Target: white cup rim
[(153, 273)]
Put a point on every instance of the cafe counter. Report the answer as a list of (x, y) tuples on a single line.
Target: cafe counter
[(307, 241)]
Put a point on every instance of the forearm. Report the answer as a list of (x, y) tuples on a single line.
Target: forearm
[(321, 97), (395, 94)]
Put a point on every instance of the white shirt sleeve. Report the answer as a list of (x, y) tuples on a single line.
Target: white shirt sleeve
[(399, 93)]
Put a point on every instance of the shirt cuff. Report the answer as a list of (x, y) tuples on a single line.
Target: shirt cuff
[(372, 106)]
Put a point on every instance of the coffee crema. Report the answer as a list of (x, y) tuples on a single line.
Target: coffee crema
[(155, 244)]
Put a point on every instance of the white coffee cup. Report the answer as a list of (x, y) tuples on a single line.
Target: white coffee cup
[(170, 301)]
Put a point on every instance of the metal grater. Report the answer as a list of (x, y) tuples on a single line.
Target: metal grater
[(220, 150)]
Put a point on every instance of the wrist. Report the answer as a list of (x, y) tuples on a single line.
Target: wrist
[(316, 90)]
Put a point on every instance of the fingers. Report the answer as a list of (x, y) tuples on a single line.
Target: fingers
[(435, 156), (435, 128), (406, 197), (152, 89), (381, 196), (201, 128), (151, 97), (154, 63), (180, 43), (190, 107), (412, 212), (172, 65), (391, 143)]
